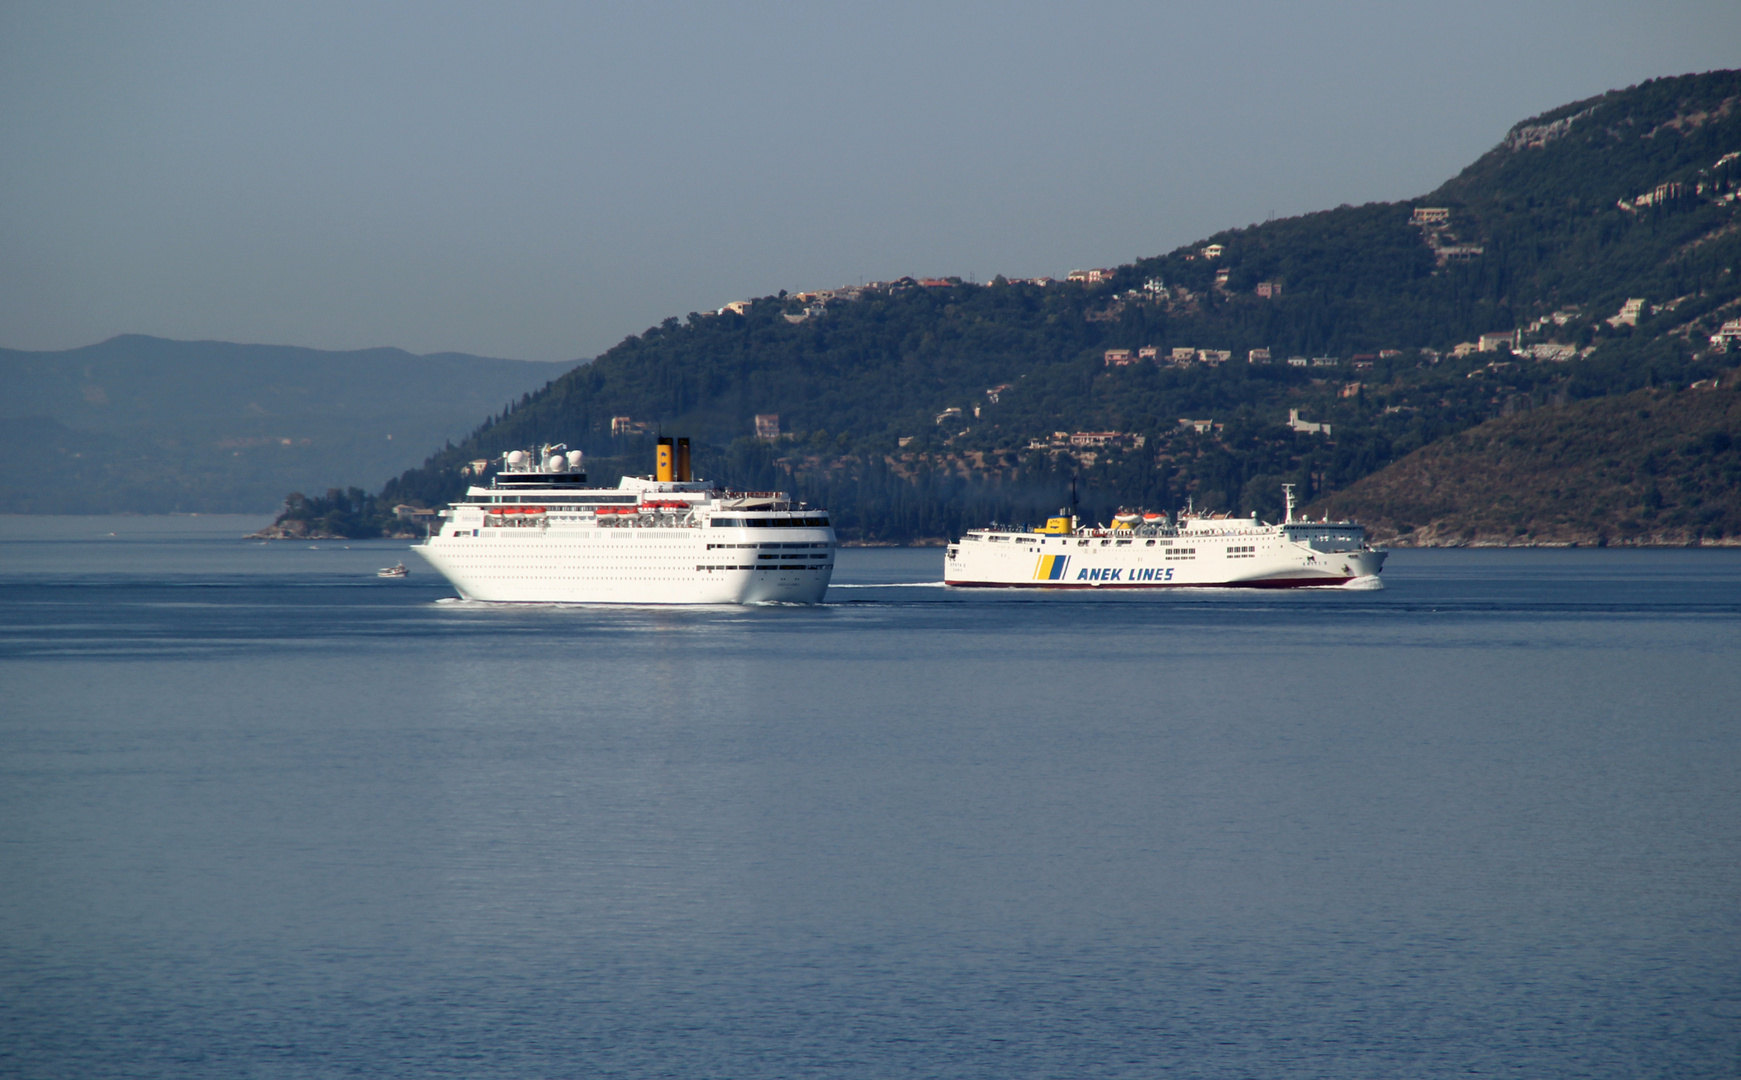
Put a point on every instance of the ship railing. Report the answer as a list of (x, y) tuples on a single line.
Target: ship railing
[(649, 520)]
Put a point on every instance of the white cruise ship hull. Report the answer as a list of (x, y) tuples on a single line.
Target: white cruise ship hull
[(538, 534), (584, 564), (1267, 557)]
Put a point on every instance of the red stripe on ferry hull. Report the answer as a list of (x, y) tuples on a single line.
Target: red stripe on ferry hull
[(1267, 583)]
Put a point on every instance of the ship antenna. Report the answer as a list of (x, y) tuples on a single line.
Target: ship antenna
[(1288, 495)]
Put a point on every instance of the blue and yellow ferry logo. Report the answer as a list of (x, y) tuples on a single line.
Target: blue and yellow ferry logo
[(1051, 568)]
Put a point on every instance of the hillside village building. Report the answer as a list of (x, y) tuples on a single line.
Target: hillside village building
[(768, 426), (1497, 340), (1552, 351), (1306, 426), (1629, 313), (1457, 253), (1087, 440)]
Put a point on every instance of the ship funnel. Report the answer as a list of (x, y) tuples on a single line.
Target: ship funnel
[(683, 460), (664, 463)]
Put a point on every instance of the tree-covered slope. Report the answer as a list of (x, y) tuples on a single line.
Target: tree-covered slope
[(1546, 235), (1649, 467)]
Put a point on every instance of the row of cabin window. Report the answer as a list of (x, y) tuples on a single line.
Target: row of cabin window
[(751, 566)]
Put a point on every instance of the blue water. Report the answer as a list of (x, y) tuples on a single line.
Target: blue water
[(264, 815)]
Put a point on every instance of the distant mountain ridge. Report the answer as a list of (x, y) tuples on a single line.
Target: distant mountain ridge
[(141, 424)]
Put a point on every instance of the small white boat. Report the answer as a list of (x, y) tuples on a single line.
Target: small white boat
[(396, 570)]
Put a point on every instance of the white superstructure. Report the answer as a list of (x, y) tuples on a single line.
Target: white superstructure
[(1146, 551), (538, 534)]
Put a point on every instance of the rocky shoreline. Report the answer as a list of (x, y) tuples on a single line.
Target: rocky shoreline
[(299, 530)]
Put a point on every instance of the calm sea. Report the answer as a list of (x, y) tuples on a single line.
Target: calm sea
[(265, 815)]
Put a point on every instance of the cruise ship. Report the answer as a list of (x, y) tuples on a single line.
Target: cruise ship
[(538, 534), (1147, 551)]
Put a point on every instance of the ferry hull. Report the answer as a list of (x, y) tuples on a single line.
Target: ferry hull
[(1268, 583), (1240, 562)]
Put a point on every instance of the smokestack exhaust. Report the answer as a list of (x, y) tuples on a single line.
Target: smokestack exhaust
[(664, 463)]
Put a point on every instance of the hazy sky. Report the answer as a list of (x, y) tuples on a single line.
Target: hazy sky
[(539, 180)]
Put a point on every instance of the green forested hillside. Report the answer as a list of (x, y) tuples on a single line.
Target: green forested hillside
[(1546, 235), (1650, 467)]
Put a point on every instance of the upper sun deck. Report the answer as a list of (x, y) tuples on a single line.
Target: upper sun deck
[(547, 489), (1184, 526), (1187, 527), (636, 502)]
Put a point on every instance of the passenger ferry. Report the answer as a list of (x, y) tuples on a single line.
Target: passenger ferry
[(1147, 551), (538, 534)]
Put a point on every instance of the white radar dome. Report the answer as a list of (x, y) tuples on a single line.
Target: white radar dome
[(575, 457), (556, 462), (516, 457)]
